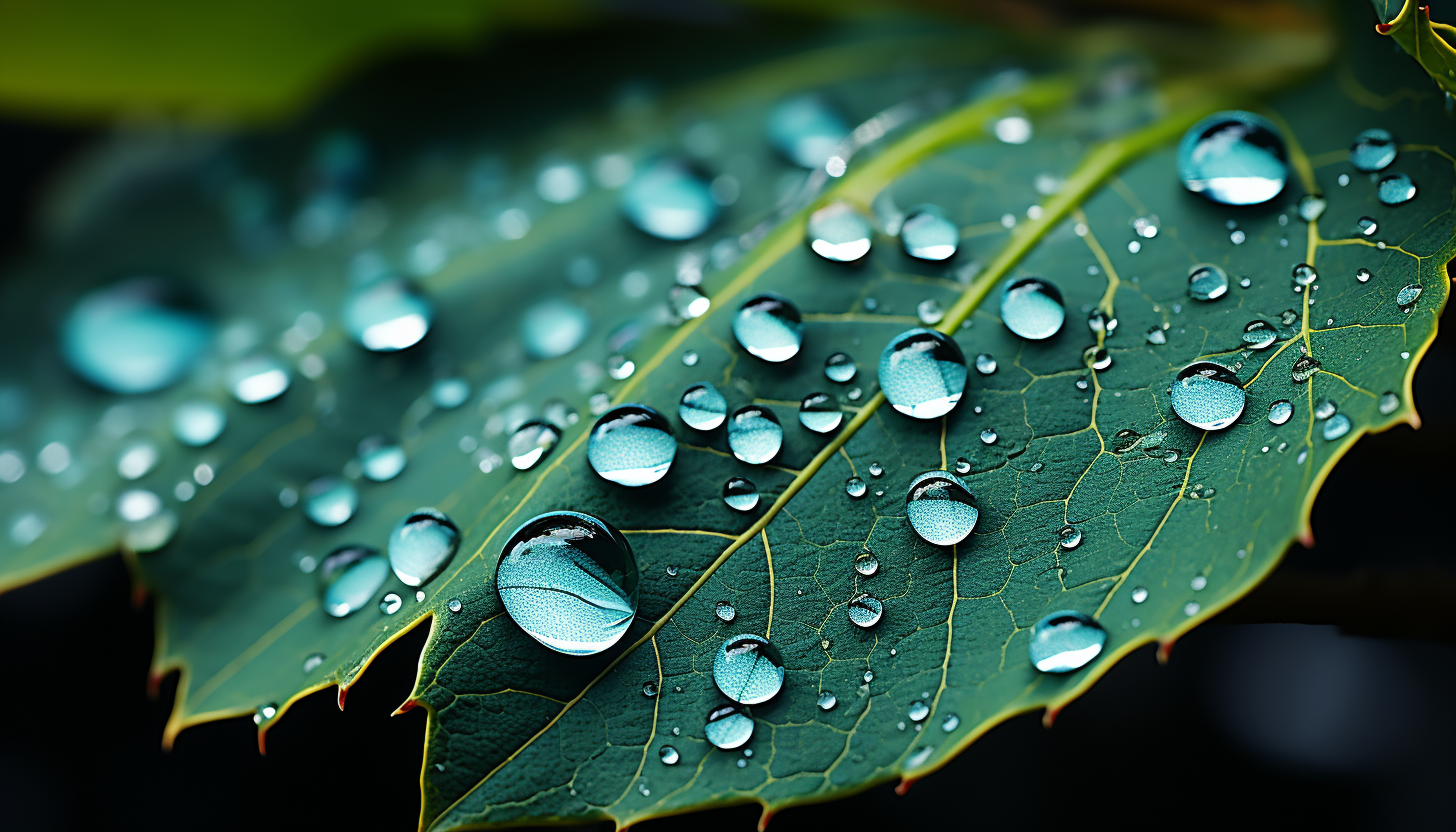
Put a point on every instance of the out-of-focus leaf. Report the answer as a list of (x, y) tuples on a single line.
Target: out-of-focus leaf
[(1430, 43)]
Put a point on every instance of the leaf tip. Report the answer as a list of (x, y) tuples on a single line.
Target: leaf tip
[(409, 705), (343, 691), (765, 817), (262, 742), (1306, 536), (1049, 716), (903, 787), (1165, 650)]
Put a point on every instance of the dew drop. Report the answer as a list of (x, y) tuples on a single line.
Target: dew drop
[(649, 689), (330, 501), (380, 458), (553, 327), (1406, 297), (702, 407), (1280, 411), (454, 605), (1367, 226), (1336, 426), (1304, 274), (387, 315), (820, 413), (258, 379), (422, 545), (668, 755), (725, 612), (449, 393), (1098, 358), (865, 610), (827, 701), (922, 373), (985, 364), (930, 312), (806, 130), (855, 487), (390, 603), (313, 662), (1207, 282), (135, 336), (1372, 150), (839, 232), (754, 434), (748, 669), (1032, 308), (1207, 396), (963, 466), (137, 460), (769, 327), (728, 727), (1395, 189), (1156, 336), (669, 200), (1234, 158), (1324, 409), (1363, 275), (1311, 207), (740, 494), (198, 423), (350, 575), (1260, 335), (530, 443), (927, 234), (1139, 594), (1070, 537), (989, 436), (1065, 641), (1388, 403), (866, 564), (941, 508), (950, 723), (840, 367), (264, 713), (1304, 369), (631, 445)]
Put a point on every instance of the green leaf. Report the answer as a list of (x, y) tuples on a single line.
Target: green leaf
[(1428, 42), (520, 735)]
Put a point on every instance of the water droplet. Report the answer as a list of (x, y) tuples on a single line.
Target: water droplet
[(839, 232), (1032, 308), (941, 508), (869, 676), (1259, 335), (1372, 150), (264, 713), (1324, 409), (670, 201), (649, 689), (820, 413), (1311, 207), (748, 669), (1139, 594), (313, 662), (702, 407), (421, 545), (570, 581), (1288, 317), (865, 610), (922, 373), (1336, 426), (350, 576), (531, 442), (1363, 275), (330, 501), (1065, 641), (1208, 396), (1406, 297), (985, 364), (1389, 403), (631, 445), (381, 458), (805, 129), (258, 379), (989, 436), (1304, 369), (137, 460), (1191, 608), (1304, 274), (840, 367), (1280, 411), (1156, 336), (454, 605), (135, 336), (918, 711), (689, 358), (1012, 129), (827, 701), (769, 327), (449, 393), (1098, 358), (927, 234), (620, 367), (1395, 189), (553, 327), (198, 423), (1207, 282), (1234, 158), (725, 612), (1070, 537), (950, 723), (1099, 321), (866, 564), (687, 302), (930, 312), (729, 727), (390, 603), (1367, 226), (387, 315), (668, 755)]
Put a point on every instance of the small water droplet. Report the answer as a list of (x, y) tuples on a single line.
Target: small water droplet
[(530, 443), (1363, 275), (449, 393), (748, 669), (258, 379), (649, 689), (350, 576), (1395, 189), (1406, 297), (264, 713), (1336, 426), (422, 543), (689, 358), (668, 755), (769, 327), (687, 302), (1207, 282), (1191, 608), (1070, 537), (390, 603), (1389, 403), (728, 727), (1259, 335), (941, 508), (670, 200), (1234, 158), (840, 367), (855, 487), (454, 605), (631, 445), (740, 494), (1065, 641), (1324, 409), (865, 610), (725, 612), (754, 434), (985, 364), (1032, 308), (1304, 369), (1208, 396), (330, 501), (387, 315), (1372, 150), (866, 564), (1311, 207), (869, 676), (313, 662), (1139, 594), (198, 423), (820, 413), (827, 701), (1156, 336), (1280, 411), (702, 407), (929, 311), (1098, 358), (553, 327), (1304, 274), (380, 458), (927, 234), (620, 367), (922, 373), (988, 436), (839, 232), (805, 129)]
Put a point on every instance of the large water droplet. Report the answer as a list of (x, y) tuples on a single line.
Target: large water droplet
[(670, 201), (748, 669), (330, 501), (820, 413), (1208, 396), (805, 129), (258, 379), (387, 315), (855, 487), (1065, 641), (421, 545), (631, 445), (928, 235), (1304, 368), (941, 508), (380, 458), (754, 434), (350, 576), (1336, 426), (839, 232), (840, 367), (740, 494), (1259, 335), (553, 327), (198, 423), (702, 407), (922, 373), (1207, 282), (531, 442), (134, 337), (1395, 189), (729, 726), (1280, 411), (769, 327), (570, 581), (865, 610), (1032, 308), (1233, 157), (1372, 150)]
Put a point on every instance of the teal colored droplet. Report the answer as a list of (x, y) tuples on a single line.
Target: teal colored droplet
[(1395, 189), (1324, 409), (570, 581), (350, 576), (1065, 641), (631, 445), (985, 364), (198, 423), (422, 544), (866, 563), (390, 603), (380, 458), (769, 327), (1304, 369), (865, 610), (725, 612), (330, 501), (1259, 335), (941, 508), (668, 755), (553, 327), (827, 700), (1311, 207), (449, 393), (840, 367), (1070, 537), (670, 200), (855, 487), (922, 373), (1407, 296), (1207, 282), (1336, 426), (687, 302), (1032, 308), (927, 234), (1372, 150), (530, 443), (805, 129), (1234, 158), (702, 407), (918, 711), (740, 494), (1156, 336), (1304, 274), (748, 669), (839, 232), (1280, 411), (258, 379), (1208, 396), (134, 337), (729, 727), (754, 434), (387, 315), (820, 413)]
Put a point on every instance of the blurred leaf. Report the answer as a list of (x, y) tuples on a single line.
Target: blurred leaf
[(1429, 43)]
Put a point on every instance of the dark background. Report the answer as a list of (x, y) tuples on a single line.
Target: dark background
[(1342, 720)]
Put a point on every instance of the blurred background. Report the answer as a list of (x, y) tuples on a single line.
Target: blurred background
[(1320, 700)]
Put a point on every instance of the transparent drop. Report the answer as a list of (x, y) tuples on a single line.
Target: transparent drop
[(876, 469), (922, 373), (769, 327), (725, 612), (689, 358), (1406, 297), (1098, 358), (387, 315), (839, 232), (198, 423), (1099, 321), (1311, 207), (1280, 411), (989, 436), (1234, 158), (748, 669), (950, 723), (1139, 594), (350, 575), (1372, 150), (631, 445), (380, 458), (1156, 336), (865, 610), (1304, 274), (670, 201), (1388, 403), (570, 581), (330, 501), (754, 434), (1207, 282), (930, 312), (135, 336), (855, 487), (963, 466), (1070, 537), (313, 662), (985, 364), (668, 755), (1032, 308), (806, 130), (869, 676), (840, 367), (827, 701), (137, 460), (620, 367), (918, 711), (729, 727), (702, 407), (740, 494), (1363, 275), (1208, 396), (530, 443), (1324, 409), (1367, 226), (258, 379), (1288, 317), (1395, 189), (866, 564), (649, 689), (449, 393), (553, 327), (941, 508), (1260, 335), (390, 603), (1336, 426), (1065, 641), (927, 234), (1304, 369), (264, 713), (454, 605), (820, 413), (687, 302), (422, 545)]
